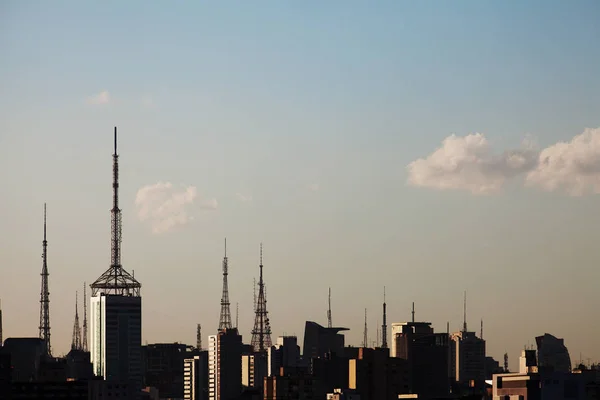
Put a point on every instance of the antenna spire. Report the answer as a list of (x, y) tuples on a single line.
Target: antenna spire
[(481, 332), (199, 337), (1, 339), (225, 318), (465, 313), (237, 314), (261, 334), (365, 339), (45, 294), (384, 325), (329, 323), (116, 280), (76, 340), (84, 343), (413, 312)]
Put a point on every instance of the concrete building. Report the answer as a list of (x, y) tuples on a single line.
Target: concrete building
[(195, 377), (427, 356), (319, 340), (116, 337), (212, 367), (339, 394), (285, 353), (553, 354), (374, 375), (467, 362), (225, 365), (24, 355), (162, 365), (294, 385)]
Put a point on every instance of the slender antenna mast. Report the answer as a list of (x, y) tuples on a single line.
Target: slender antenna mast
[(481, 332), (254, 290), (116, 280), (261, 334), (413, 312), (1, 339), (329, 323), (384, 325), (225, 318), (76, 340), (465, 313), (365, 339), (84, 340), (237, 314), (45, 295), (199, 337)]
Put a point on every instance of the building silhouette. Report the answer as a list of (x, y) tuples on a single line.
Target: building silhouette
[(319, 341), (552, 353)]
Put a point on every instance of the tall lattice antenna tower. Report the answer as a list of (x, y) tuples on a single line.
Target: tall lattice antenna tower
[(225, 318), (384, 325), (115, 280), (505, 362), (329, 323), (199, 337), (465, 313), (254, 290), (45, 294), (261, 334), (76, 340), (365, 339), (84, 333)]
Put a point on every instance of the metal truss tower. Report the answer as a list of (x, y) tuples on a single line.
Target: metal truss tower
[(384, 325), (45, 295), (199, 337), (261, 334), (84, 333), (76, 340), (116, 280), (225, 317), (365, 338), (329, 323)]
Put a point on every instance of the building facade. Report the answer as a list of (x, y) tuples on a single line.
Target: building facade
[(195, 377)]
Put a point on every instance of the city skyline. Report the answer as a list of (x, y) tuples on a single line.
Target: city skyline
[(316, 142)]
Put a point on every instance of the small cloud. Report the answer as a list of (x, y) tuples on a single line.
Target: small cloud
[(313, 187), (243, 198), (165, 206), (148, 102), (467, 163), (573, 167), (100, 98)]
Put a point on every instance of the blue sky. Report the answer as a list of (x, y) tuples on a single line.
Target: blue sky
[(295, 123)]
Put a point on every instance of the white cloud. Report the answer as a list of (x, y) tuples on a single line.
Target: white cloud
[(313, 187), (573, 167), (101, 98), (243, 198), (467, 163), (165, 206)]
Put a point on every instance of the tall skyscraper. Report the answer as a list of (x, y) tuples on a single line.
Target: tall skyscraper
[(116, 311), (212, 367)]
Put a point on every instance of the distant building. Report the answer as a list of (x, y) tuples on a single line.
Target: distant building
[(319, 340), (116, 337), (79, 366), (467, 361), (297, 384), (285, 353), (163, 368), (340, 394), (25, 357), (212, 367), (427, 356), (228, 377), (374, 375), (195, 377), (553, 354)]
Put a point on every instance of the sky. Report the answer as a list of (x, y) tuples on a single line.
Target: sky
[(429, 147)]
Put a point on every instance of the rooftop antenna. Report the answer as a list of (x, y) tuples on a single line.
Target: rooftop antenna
[(413, 312), (465, 313), (76, 340), (448, 328), (45, 295), (365, 338), (505, 362), (225, 318), (116, 280), (329, 323), (84, 333), (237, 314), (384, 325), (261, 333), (199, 337), (1, 323), (481, 332)]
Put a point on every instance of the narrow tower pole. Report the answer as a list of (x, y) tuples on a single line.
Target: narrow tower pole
[(329, 323), (225, 318), (481, 332), (45, 294), (465, 313), (76, 340), (1, 339), (365, 339), (261, 334), (199, 337), (413, 312), (384, 325), (84, 333), (237, 314)]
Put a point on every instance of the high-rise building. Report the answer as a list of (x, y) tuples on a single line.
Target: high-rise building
[(195, 377), (212, 367), (319, 340), (162, 365), (229, 364), (552, 353), (116, 311), (467, 360), (285, 353)]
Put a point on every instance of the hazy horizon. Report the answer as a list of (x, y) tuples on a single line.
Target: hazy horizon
[(427, 149)]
